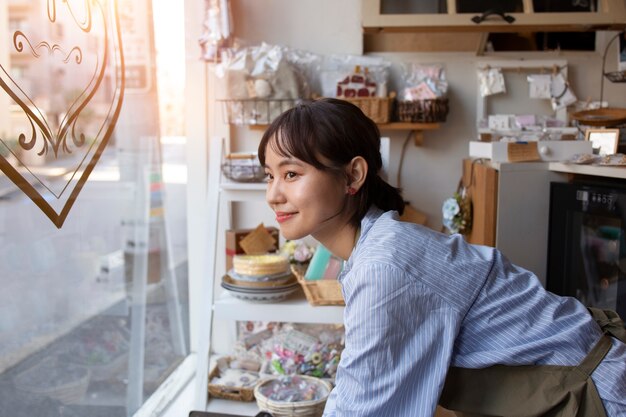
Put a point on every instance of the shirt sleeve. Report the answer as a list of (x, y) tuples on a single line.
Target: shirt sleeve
[(399, 340)]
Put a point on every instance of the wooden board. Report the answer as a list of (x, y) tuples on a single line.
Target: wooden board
[(482, 182)]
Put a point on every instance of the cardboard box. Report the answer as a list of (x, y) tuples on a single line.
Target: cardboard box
[(234, 236)]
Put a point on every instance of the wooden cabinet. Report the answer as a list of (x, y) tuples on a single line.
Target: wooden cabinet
[(481, 182), (465, 15)]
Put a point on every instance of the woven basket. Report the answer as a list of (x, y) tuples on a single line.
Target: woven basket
[(228, 392), (607, 116), (377, 109), (423, 111), (69, 392), (321, 292), (313, 408), (242, 167)]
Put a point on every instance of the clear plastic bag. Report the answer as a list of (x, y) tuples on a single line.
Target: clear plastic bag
[(491, 81), (423, 81), (263, 81), (335, 68)]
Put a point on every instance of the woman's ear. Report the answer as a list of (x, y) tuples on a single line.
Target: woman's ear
[(356, 171)]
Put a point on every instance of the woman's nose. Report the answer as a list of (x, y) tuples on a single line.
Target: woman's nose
[(273, 193)]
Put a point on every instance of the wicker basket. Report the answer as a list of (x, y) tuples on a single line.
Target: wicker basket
[(111, 370), (314, 408), (228, 392), (319, 292), (377, 109), (606, 116), (423, 111)]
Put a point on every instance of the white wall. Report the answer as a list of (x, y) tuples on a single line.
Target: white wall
[(431, 172)]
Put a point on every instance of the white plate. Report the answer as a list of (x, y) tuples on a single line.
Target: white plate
[(258, 278), (266, 297)]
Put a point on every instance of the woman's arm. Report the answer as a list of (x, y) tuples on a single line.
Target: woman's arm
[(399, 340)]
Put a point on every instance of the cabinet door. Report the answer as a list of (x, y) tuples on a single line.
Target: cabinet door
[(450, 15)]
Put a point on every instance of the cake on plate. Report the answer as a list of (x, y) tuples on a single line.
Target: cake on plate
[(255, 265)]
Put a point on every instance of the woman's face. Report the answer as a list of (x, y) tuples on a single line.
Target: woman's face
[(306, 201)]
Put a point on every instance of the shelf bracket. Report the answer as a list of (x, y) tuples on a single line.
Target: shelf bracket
[(418, 137)]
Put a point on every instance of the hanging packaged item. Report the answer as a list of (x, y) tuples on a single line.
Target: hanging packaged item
[(491, 81), (217, 35), (561, 94), (539, 85)]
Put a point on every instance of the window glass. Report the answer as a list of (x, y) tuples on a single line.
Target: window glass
[(481, 6), (541, 6), (93, 244), (413, 6)]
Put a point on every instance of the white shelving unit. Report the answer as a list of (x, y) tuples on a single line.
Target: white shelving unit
[(228, 309), (296, 308)]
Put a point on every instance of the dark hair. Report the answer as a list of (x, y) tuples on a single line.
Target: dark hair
[(337, 131)]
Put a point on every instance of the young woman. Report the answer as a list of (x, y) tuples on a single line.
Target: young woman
[(423, 309)]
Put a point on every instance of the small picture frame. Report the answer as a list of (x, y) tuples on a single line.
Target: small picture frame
[(603, 141)]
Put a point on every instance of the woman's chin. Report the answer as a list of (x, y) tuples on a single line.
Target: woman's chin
[(291, 234)]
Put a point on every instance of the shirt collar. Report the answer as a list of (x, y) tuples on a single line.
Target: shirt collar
[(366, 224)]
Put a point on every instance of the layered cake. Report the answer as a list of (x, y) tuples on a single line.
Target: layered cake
[(254, 265)]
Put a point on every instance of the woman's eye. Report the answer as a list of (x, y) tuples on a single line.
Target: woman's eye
[(269, 176), (290, 175)]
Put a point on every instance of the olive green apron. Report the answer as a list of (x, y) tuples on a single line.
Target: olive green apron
[(533, 390)]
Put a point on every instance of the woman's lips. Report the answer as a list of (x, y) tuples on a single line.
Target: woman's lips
[(282, 216)]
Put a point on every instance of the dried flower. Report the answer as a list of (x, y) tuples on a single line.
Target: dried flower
[(457, 214)]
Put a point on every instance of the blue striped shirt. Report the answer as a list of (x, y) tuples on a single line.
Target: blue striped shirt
[(418, 301)]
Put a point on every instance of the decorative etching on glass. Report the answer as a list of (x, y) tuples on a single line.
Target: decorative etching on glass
[(62, 77)]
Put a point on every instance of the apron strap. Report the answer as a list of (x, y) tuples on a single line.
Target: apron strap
[(593, 358)]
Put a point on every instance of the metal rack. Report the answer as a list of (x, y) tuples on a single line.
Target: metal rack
[(255, 111)]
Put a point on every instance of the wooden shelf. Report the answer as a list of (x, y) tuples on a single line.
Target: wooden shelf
[(416, 128), (596, 170)]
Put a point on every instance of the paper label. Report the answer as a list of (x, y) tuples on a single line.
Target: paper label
[(523, 152)]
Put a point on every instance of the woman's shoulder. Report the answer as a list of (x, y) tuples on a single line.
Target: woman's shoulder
[(388, 231), (436, 260)]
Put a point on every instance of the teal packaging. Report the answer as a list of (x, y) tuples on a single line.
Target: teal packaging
[(318, 263)]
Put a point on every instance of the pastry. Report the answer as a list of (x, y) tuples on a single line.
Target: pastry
[(267, 264)]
